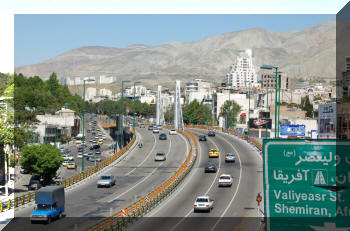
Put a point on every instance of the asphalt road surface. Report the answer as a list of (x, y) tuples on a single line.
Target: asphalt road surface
[(235, 208), (137, 174)]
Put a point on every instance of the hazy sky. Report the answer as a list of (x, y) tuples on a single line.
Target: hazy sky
[(40, 37)]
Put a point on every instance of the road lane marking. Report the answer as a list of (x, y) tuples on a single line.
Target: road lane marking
[(154, 145), (217, 172), (150, 174), (239, 182), (156, 210)]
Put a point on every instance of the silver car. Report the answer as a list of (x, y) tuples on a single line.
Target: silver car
[(160, 156), (230, 157), (106, 181)]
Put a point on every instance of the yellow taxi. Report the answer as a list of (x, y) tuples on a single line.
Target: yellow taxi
[(100, 142), (213, 153), (71, 165), (78, 141)]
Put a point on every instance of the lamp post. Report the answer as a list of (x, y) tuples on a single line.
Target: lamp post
[(229, 109), (83, 118), (270, 67), (248, 109), (208, 107), (133, 124), (121, 113)]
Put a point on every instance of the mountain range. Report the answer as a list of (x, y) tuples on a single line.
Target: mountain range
[(309, 52)]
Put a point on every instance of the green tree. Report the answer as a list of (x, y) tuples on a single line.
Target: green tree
[(306, 105), (196, 113), (41, 161), (235, 109)]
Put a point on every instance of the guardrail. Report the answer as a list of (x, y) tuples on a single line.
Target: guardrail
[(27, 198), (150, 200), (245, 137)]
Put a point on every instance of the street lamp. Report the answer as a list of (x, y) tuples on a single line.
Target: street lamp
[(83, 117), (229, 108), (133, 124), (270, 67), (121, 113), (208, 108)]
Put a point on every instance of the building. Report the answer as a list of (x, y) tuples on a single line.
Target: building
[(107, 79), (242, 73), (139, 91), (242, 100), (91, 93), (52, 127), (106, 93), (346, 77), (196, 90), (268, 81)]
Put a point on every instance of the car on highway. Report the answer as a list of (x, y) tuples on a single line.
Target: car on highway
[(88, 155), (71, 165), (155, 130), (225, 180), (203, 203), (93, 132), (91, 140), (210, 167), (100, 142), (104, 137), (162, 136), (150, 128), (172, 132), (230, 157), (213, 153), (65, 157), (160, 127), (78, 141), (211, 133), (160, 156), (89, 130), (64, 163), (94, 158), (95, 146), (106, 181), (80, 155), (97, 129), (34, 183), (202, 138), (98, 152), (142, 126)]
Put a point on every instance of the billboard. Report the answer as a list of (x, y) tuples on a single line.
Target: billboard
[(327, 120), (259, 123), (292, 130)]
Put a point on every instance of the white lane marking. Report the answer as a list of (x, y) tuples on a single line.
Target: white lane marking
[(239, 182), (154, 145), (157, 209), (150, 174), (216, 175)]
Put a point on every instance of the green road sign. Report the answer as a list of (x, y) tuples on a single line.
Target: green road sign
[(300, 182)]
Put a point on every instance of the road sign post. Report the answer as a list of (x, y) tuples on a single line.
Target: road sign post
[(301, 183)]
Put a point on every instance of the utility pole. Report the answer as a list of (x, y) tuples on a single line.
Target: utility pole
[(276, 83), (121, 120), (279, 103), (208, 108), (229, 109), (267, 107), (248, 108), (83, 118)]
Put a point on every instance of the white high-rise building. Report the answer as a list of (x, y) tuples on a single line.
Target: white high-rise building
[(242, 74)]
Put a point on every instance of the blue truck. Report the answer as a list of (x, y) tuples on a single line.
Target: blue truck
[(49, 203)]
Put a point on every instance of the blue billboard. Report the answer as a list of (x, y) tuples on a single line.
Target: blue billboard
[(292, 130)]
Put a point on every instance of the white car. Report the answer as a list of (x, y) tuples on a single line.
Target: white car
[(225, 180), (65, 157), (80, 155), (71, 158), (65, 163), (160, 156), (155, 130), (172, 132), (203, 203)]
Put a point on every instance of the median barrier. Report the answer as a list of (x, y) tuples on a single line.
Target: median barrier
[(29, 197), (153, 198)]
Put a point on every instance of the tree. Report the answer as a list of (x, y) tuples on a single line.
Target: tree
[(234, 111), (41, 161), (307, 106), (196, 113)]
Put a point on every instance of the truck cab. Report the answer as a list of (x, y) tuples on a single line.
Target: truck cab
[(49, 202)]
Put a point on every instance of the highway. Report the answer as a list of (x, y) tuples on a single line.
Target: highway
[(235, 208), (136, 175)]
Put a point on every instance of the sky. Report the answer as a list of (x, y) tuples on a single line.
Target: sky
[(40, 37), (10, 8)]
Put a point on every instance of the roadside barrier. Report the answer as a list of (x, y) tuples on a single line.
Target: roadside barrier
[(29, 197), (121, 219)]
